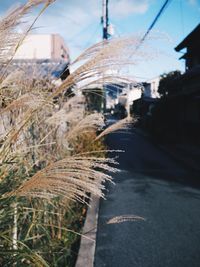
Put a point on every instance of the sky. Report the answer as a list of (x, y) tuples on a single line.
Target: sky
[(78, 22)]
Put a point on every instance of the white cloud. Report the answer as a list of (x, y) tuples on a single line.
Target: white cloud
[(121, 8), (192, 2)]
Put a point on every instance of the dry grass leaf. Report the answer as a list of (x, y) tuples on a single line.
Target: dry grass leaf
[(125, 218)]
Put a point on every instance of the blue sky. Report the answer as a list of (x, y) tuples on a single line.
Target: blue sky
[(79, 23)]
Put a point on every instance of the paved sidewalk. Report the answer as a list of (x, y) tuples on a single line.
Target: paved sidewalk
[(155, 186)]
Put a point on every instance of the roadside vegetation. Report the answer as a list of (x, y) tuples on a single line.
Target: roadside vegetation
[(52, 155)]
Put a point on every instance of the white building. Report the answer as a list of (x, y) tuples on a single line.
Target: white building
[(43, 46), (130, 93), (151, 88)]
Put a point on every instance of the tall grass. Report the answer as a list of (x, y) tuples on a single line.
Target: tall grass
[(50, 154)]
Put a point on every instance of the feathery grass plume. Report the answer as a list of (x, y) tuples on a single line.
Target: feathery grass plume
[(22, 119), (116, 81), (72, 112), (15, 137), (74, 102), (12, 79), (125, 218), (21, 80), (71, 178), (121, 124), (102, 58), (60, 117), (91, 122), (29, 100)]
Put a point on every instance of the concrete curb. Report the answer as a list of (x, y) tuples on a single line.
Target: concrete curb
[(87, 246)]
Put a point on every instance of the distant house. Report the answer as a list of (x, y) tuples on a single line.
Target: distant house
[(190, 80), (143, 107), (176, 116), (45, 53), (183, 104), (151, 88), (43, 46), (192, 45)]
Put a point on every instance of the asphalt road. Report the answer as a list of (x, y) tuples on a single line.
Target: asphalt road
[(154, 186)]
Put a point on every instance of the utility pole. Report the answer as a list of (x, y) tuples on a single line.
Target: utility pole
[(104, 19), (104, 22)]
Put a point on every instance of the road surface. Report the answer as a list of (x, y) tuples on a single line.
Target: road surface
[(154, 186)]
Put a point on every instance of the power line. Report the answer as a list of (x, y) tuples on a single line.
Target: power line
[(92, 36), (164, 6)]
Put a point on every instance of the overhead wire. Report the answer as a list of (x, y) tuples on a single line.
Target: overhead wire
[(92, 36), (164, 6)]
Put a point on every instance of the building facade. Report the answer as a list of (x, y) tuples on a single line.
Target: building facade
[(192, 45), (42, 55), (43, 46), (151, 88), (178, 114)]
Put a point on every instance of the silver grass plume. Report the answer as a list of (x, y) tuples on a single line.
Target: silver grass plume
[(89, 123), (121, 124), (99, 61), (29, 100), (71, 178)]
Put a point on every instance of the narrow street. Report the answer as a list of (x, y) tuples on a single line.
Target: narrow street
[(154, 186)]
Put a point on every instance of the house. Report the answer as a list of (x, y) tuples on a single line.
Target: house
[(43, 54), (175, 117), (178, 113), (120, 97), (190, 83), (143, 106), (151, 88), (192, 45), (43, 47)]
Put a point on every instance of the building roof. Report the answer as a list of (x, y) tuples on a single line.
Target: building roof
[(41, 68), (191, 38)]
